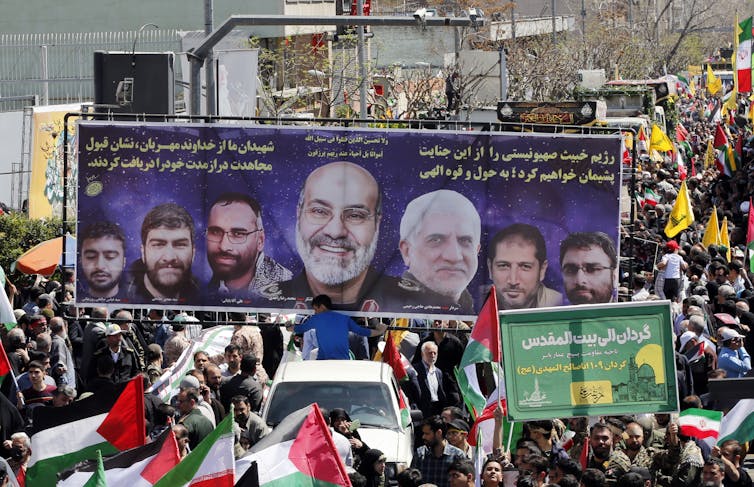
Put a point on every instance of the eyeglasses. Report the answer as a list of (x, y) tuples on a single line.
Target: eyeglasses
[(215, 234), (589, 269), (352, 217)]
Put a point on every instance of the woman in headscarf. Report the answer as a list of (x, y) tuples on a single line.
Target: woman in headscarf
[(341, 422), (373, 468)]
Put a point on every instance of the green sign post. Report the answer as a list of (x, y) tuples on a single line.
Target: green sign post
[(589, 360)]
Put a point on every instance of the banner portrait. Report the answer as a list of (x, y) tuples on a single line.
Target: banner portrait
[(400, 222), (607, 359), (46, 181)]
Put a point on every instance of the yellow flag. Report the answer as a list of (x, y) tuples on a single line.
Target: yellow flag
[(398, 335), (709, 155), (659, 141), (712, 232), (692, 87), (725, 238), (731, 103), (682, 215), (714, 84)]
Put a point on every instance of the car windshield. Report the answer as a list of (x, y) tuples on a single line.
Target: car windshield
[(370, 403)]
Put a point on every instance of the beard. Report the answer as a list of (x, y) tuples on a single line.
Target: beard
[(332, 270), (172, 284)]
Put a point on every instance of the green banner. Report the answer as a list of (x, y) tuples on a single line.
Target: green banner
[(589, 360)]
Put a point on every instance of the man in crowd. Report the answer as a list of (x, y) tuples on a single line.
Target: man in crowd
[(167, 251), (429, 381), (243, 384), (461, 473), (235, 248), (439, 242), (589, 265), (731, 453), (124, 357), (337, 229), (103, 259), (191, 418), (61, 357), (733, 357), (517, 262), (435, 457), (457, 434), (332, 330)]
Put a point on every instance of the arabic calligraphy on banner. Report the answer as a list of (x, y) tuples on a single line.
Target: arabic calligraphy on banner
[(558, 183), (589, 361)]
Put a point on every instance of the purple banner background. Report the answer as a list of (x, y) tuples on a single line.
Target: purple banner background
[(558, 183)]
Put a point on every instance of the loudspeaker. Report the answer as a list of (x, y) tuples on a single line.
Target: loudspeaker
[(140, 82)]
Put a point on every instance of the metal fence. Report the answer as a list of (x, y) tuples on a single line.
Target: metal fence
[(57, 68)]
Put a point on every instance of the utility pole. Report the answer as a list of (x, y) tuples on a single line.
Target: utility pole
[(209, 67), (362, 63), (552, 7)]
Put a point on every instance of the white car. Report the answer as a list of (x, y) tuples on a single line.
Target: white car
[(367, 390)]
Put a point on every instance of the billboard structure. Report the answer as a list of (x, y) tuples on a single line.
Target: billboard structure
[(596, 360), (400, 222)]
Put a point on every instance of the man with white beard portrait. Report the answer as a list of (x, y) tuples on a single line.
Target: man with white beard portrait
[(337, 229)]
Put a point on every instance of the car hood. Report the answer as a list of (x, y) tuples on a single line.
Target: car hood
[(396, 445)]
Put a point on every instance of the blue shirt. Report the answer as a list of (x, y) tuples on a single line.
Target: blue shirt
[(332, 333), (736, 363)]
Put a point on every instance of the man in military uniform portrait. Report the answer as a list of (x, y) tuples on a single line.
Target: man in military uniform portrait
[(439, 242), (337, 228)]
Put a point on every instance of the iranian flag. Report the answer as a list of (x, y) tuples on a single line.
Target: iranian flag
[(109, 422), (210, 464), (142, 466), (700, 423), (750, 236), (743, 56), (738, 424), (650, 197), (299, 452), (483, 347)]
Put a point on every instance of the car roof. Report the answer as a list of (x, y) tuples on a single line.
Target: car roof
[(333, 371)]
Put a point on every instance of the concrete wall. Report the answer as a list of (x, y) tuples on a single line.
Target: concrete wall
[(409, 45)]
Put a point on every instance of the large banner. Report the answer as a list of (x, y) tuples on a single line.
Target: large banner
[(399, 222), (46, 181), (596, 360)]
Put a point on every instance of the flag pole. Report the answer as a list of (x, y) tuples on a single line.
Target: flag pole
[(510, 437)]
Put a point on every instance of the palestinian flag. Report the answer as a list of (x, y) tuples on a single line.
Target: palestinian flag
[(299, 452), (64, 436), (98, 479), (650, 197), (725, 162), (483, 347), (750, 236), (7, 317), (738, 424), (392, 357), (142, 466), (483, 428), (5, 368), (700, 423), (210, 464)]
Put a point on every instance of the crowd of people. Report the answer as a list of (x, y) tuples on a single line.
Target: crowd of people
[(59, 353)]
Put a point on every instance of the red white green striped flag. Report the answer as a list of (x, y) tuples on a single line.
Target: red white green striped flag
[(299, 452), (650, 197), (743, 56), (700, 423), (7, 317), (725, 162), (483, 347), (210, 464)]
